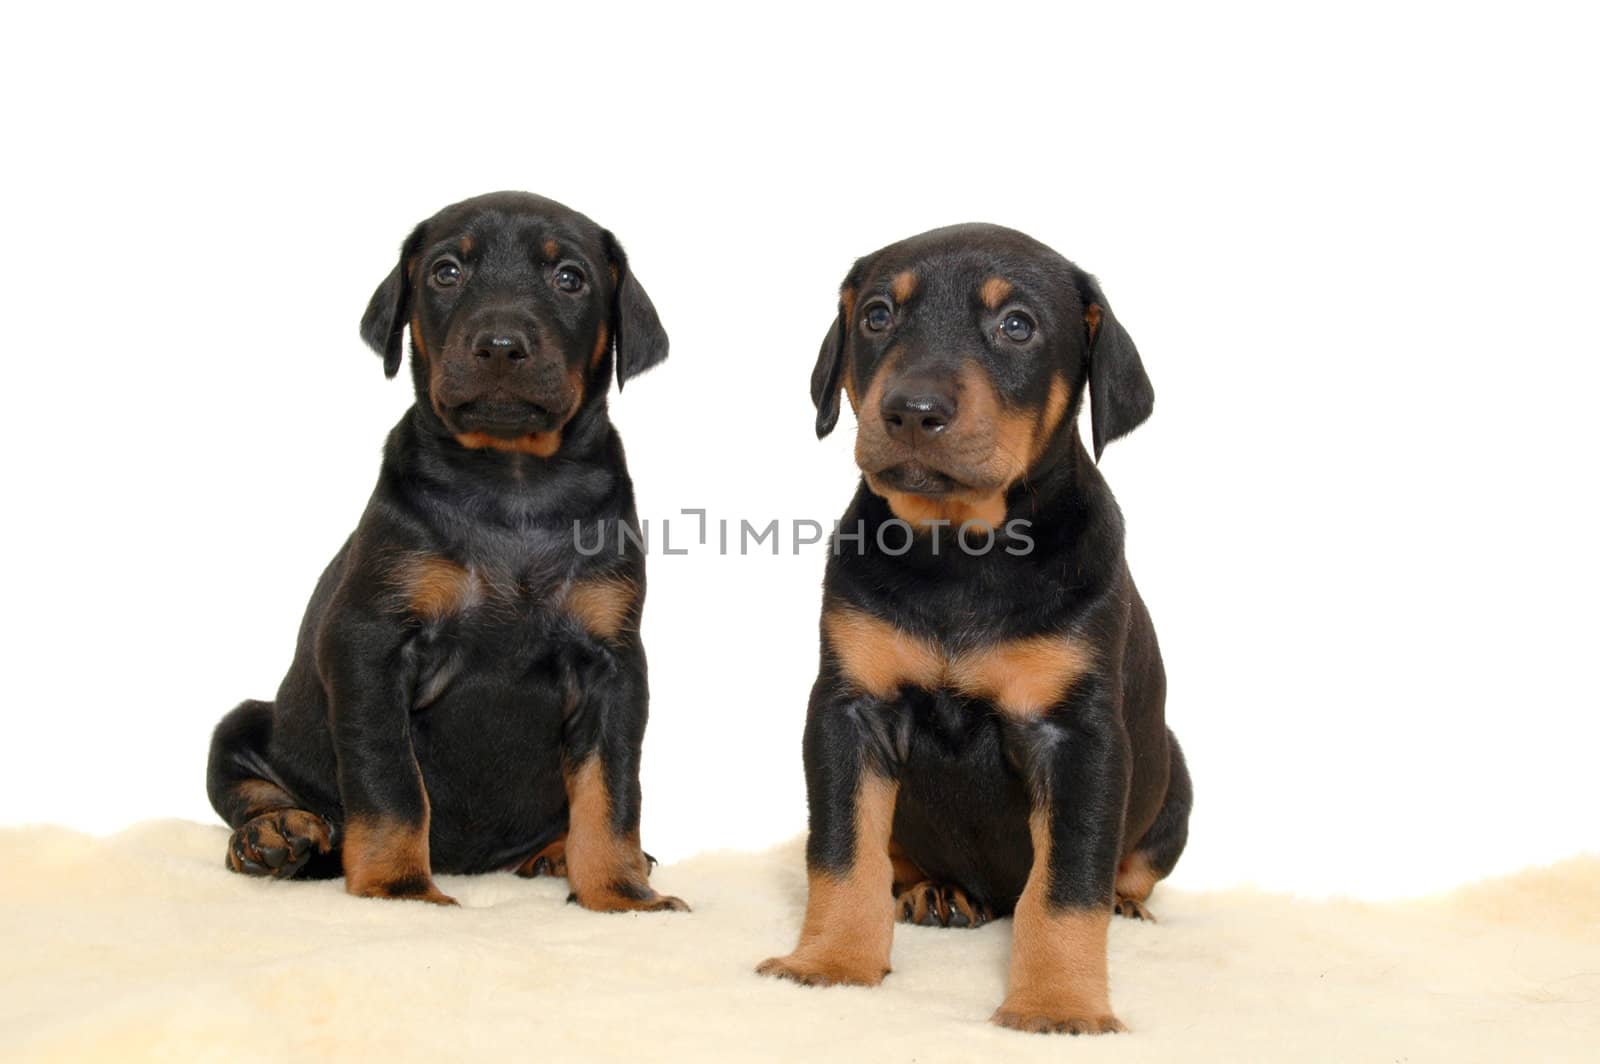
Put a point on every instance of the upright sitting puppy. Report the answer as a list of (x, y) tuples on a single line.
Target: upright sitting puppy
[(986, 735), (468, 690)]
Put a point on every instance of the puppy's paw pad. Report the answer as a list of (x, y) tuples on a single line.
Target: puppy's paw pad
[(278, 843), (931, 904), (1039, 1021)]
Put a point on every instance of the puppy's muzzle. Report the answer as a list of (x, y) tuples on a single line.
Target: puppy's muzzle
[(503, 380)]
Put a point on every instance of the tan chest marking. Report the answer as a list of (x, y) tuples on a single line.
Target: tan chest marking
[(604, 606), (435, 588), (1022, 677)]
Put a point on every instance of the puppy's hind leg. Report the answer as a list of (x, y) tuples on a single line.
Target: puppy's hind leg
[(1154, 856), (272, 836)]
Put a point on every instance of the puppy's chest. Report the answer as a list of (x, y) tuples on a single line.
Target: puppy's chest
[(500, 599), (1022, 678)]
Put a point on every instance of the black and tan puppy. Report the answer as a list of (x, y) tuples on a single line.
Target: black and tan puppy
[(986, 735), (468, 690)]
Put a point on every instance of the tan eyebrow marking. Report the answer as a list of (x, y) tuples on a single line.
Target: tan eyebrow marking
[(552, 250), (994, 291), (904, 286)]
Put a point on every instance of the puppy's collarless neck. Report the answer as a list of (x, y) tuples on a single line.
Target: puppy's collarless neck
[(423, 463)]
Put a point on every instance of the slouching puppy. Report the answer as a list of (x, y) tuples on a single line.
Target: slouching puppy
[(986, 735), (468, 690)]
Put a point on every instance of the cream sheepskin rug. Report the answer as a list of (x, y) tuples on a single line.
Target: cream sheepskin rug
[(140, 946)]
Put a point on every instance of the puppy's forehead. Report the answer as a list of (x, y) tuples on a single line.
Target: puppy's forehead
[(994, 262), (519, 222)]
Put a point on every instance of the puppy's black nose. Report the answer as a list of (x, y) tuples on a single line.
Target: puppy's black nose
[(502, 346), (915, 411)]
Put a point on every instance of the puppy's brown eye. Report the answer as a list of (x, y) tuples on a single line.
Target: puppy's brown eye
[(878, 317), (1017, 327), (447, 274), (569, 279)]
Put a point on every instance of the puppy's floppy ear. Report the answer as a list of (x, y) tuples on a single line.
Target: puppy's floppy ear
[(636, 333), (1121, 392), (828, 374), (387, 311)]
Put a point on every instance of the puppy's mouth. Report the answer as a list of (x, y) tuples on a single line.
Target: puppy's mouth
[(505, 419), (915, 478)]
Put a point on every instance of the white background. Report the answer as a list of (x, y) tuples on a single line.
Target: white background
[(1356, 247)]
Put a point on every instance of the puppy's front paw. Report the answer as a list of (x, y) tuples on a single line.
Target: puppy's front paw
[(820, 972), (1037, 1020), (406, 888), (278, 843), (628, 900)]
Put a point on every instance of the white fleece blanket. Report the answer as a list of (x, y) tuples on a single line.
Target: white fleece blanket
[(141, 947)]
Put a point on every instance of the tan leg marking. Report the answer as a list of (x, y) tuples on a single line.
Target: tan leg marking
[(1135, 880), (388, 858), (849, 922), (257, 796), (550, 861), (906, 872), (608, 872), (1024, 678), (1058, 958)]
